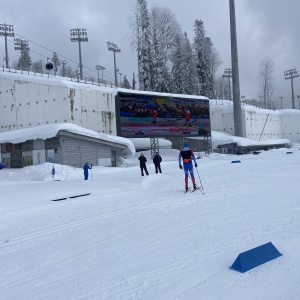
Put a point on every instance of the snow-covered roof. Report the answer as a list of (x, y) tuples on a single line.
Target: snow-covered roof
[(51, 130), (221, 138), (67, 82), (227, 107)]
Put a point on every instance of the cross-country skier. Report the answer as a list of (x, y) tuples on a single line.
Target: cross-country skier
[(157, 160), (86, 169), (187, 155)]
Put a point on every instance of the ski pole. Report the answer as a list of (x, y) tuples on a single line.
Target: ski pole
[(199, 179)]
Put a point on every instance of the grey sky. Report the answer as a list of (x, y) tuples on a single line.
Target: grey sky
[(266, 28)]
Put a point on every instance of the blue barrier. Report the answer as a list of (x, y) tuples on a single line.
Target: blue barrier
[(289, 152), (255, 257)]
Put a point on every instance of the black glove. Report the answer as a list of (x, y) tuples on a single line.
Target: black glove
[(196, 165), (91, 165), (180, 167)]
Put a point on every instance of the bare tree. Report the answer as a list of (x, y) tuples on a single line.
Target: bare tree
[(266, 70)]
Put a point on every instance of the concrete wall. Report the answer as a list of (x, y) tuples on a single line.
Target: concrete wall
[(258, 124), (25, 104)]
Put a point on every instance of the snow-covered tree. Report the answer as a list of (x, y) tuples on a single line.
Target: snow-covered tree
[(143, 45), (208, 60), (164, 29), (38, 66), (199, 45), (24, 62), (56, 62), (125, 83)]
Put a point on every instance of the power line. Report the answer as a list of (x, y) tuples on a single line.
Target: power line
[(109, 78)]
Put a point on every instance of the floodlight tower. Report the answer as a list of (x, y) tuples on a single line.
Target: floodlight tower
[(98, 68), (291, 74), (228, 74), (21, 45), (113, 47), (6, 30), (237, 110), (79, 35)]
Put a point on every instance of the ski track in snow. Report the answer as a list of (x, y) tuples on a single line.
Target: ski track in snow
[(143, 238)]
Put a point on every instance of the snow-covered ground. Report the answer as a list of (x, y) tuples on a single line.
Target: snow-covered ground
[(142, 238)]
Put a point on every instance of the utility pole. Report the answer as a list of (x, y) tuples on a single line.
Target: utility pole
[(113, 47), (291, 74), (228, 74), (237, 111), (6, 30), (21, 45), (79, 35)]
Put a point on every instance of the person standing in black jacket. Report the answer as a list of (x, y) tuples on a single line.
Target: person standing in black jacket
[(157, 160), (143, 167)]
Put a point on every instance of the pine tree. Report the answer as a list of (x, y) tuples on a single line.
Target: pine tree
[(199, 41), (208, 60), (178, 77), (125, 83), (189, 69), (24, 62), (143, 46)]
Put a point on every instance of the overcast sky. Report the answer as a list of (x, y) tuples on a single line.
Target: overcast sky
[(268, 28)]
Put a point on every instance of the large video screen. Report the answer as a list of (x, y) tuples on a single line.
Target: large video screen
[(143, 115)]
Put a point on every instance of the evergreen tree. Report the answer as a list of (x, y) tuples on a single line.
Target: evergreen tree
[(199, 48), (189, 69), (24, 62), (56, 62), (143, 46), (164, 29), (125, 83), (178, 71), (208, 60)]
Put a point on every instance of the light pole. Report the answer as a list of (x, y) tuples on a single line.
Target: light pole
[(281, 101), (291, 74), (6, 30), (113, 47), (237, 110), (79, 35), (298, 96), (228, 74), (21, 45), (98, 68)]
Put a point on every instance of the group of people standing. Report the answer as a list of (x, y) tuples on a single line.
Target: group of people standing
[(186, 157), (156, 160)]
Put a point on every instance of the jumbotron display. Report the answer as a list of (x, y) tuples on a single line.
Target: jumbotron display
[(145, 115)]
